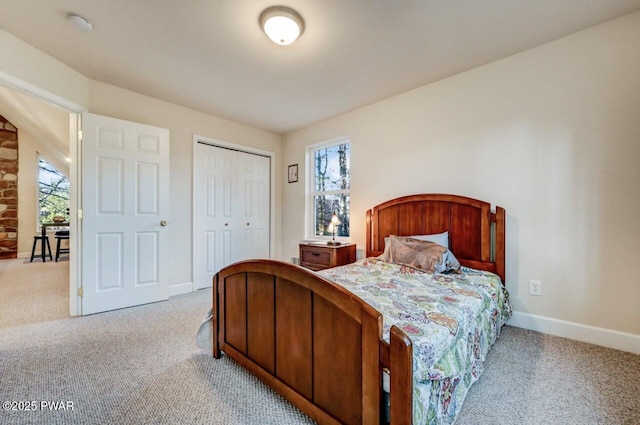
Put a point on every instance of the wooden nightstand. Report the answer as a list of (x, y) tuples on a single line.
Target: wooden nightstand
[(318, 257)]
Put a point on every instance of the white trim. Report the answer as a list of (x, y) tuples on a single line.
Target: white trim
[(180, 288), (593, 335), (230, 145), (272, 194), (75, 224), (41, 94), (331, 142)]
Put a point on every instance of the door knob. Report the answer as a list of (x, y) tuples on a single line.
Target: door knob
[(163, 223)]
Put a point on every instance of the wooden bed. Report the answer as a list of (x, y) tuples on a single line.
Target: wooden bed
[(320, 346)]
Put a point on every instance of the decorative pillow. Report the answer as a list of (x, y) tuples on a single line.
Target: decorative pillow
[(423, 255), (439, 238), (385, 253)]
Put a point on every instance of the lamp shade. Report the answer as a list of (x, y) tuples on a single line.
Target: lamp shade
[(282, 25), (333, 226)]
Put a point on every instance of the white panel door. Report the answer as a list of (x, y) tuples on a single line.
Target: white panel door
[(253, 205), (125, 203), (216, 227), (232, 209)]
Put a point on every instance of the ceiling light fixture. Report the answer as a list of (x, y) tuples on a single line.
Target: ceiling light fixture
[(79, 22), (282, 25)]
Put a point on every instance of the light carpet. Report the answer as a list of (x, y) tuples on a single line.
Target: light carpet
[(141, 366)]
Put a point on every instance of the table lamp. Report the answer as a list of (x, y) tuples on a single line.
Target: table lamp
[(332, 228)]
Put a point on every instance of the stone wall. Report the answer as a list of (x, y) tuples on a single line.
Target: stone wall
[(8, 189)]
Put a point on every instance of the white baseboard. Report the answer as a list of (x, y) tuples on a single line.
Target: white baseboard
[(180, 288), (599, 336)]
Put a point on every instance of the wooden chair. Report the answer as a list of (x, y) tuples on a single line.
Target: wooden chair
[(43, 239), (61, 235)]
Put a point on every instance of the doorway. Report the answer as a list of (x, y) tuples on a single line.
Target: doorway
[(42, 132)]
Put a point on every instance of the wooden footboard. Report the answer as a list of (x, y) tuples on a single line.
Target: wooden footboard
[(312, 341)]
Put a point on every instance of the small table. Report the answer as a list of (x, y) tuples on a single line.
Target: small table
[(44, 233)]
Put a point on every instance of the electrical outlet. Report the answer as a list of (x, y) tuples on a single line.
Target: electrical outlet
[(535, 288)]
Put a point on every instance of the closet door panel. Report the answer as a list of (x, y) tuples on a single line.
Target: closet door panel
[(254, 172), (216, 171)]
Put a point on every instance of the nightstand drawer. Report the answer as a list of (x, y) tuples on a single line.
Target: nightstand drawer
[(316, 257)]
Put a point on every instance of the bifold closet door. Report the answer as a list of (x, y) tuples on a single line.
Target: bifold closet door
[(232, 198)]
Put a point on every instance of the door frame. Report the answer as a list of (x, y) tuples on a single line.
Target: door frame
[(75, 110), (272, 211)]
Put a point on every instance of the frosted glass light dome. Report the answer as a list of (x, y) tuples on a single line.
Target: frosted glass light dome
[(281, 24)]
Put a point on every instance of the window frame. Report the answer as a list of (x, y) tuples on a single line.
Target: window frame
[(311, 192), (39, 157)]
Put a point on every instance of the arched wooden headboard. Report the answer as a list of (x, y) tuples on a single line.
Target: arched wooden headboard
[(476, 235)]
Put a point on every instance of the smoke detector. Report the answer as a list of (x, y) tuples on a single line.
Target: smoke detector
[(79, 22)]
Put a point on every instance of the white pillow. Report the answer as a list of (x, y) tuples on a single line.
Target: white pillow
[(439, 238)]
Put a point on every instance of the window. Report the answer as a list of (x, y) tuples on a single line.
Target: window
[(53, 193), (330, 185)]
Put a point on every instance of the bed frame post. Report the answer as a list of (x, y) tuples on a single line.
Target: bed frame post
[(217, 353), (368, 245), (501, 232), (485, 232), (371, 387), (401, 391)]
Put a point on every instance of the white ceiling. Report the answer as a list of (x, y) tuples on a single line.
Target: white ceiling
[(211, 55)]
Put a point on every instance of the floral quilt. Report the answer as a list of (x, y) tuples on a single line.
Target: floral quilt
[(452, 320)]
